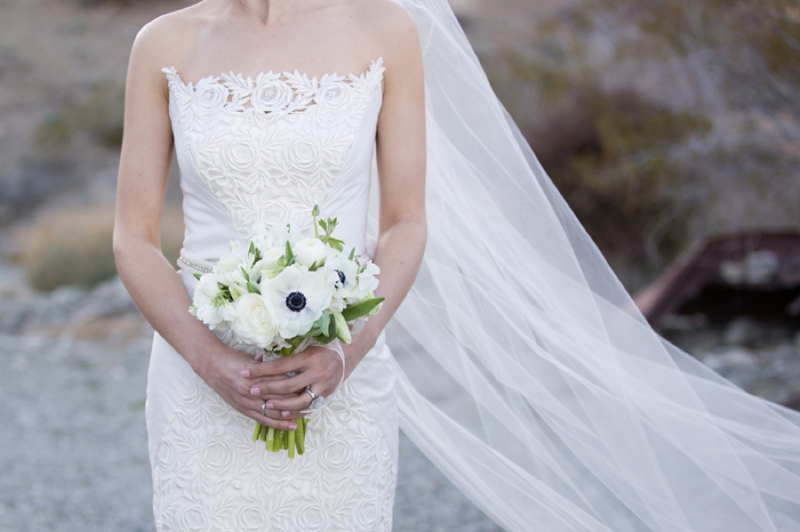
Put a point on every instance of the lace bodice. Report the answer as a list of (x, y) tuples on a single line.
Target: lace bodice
[(258, 151)]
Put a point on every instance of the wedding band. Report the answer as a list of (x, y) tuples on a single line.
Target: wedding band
[(263, 408), (311, 393)]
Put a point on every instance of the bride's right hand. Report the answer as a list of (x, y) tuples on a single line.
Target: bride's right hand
[(222, 371)]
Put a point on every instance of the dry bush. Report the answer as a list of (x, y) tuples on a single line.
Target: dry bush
[(73, 246), (98, 116), (611, 154)]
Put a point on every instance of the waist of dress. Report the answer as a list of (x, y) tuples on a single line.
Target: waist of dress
[(194, 264)]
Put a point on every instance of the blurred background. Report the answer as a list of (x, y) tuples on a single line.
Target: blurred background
[(672, 129)]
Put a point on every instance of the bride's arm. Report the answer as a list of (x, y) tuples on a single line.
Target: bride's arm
[(150, 279), (402, 234)]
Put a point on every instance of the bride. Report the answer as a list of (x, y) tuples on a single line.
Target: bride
[(571, 412)]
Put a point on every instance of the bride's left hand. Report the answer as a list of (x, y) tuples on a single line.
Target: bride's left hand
[(317, 367)]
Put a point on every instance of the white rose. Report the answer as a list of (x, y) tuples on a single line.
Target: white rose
[(310, 251), (267, 267), (254, 323)]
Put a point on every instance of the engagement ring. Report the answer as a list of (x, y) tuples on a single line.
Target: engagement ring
[(316, 400)]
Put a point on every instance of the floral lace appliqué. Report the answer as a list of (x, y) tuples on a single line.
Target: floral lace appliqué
[(209, 476), (272, 145)]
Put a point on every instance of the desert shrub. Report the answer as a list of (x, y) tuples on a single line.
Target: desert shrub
[(755, 43), (69, 248), (612, 156), (73, 246), (98, 115)]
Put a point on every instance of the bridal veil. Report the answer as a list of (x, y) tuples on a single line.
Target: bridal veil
[(572, 414)]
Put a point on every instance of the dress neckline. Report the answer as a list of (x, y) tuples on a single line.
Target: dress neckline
[(374, 66)]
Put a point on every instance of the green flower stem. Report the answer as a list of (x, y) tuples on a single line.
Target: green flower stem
[(301, 436), (292, 446), (263, 435), (270, 438), (256, 431)]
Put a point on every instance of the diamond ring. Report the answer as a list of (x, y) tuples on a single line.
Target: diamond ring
[(316, 400), (263, 408)]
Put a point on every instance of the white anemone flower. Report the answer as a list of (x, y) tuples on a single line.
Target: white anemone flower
[(299, 297), (346, 280), (367, 280)]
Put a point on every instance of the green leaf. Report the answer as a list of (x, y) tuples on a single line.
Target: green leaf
[(352, 254), (245, 274), (324, 322), (362, 308), (289, 255), (253, 289), (197, 276)]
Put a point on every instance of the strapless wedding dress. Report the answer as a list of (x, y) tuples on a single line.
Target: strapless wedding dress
[(256, 152)]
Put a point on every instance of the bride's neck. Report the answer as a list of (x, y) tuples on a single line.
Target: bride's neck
[(263, 11)]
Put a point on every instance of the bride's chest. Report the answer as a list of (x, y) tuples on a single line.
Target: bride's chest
[(270, 146), (274, 129)]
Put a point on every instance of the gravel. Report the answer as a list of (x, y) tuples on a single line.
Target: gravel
[(73, 449)]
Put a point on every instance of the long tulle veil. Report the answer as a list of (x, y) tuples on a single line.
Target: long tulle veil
[(571, 412)]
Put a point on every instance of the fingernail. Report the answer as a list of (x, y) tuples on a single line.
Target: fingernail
[(245, 373), (269, 406), (292, 426), (254, 390), (285, 413)]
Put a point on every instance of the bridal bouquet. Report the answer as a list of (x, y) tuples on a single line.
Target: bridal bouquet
[(282, 292)]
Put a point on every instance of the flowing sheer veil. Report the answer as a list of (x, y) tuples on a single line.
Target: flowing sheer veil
[(571, 412)]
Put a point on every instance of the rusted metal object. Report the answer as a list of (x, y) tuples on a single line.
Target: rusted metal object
[(750, 266)]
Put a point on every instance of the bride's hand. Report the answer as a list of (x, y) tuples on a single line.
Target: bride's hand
[(317, 367), (223, 372)]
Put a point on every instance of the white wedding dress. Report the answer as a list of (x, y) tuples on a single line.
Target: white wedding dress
[(256, 152)]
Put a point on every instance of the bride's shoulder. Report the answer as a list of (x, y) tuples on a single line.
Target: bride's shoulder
[(385, 15), (390, 26), (170, 35)]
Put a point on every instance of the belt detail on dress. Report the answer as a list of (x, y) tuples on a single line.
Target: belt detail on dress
[(198, 265)]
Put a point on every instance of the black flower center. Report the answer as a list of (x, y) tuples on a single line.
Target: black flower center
[(341, 276), (296, 301)]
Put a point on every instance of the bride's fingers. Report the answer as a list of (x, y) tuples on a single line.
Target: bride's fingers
[(296, 403), (276, 368), (293, 385), (272, 418), (325, 371)]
